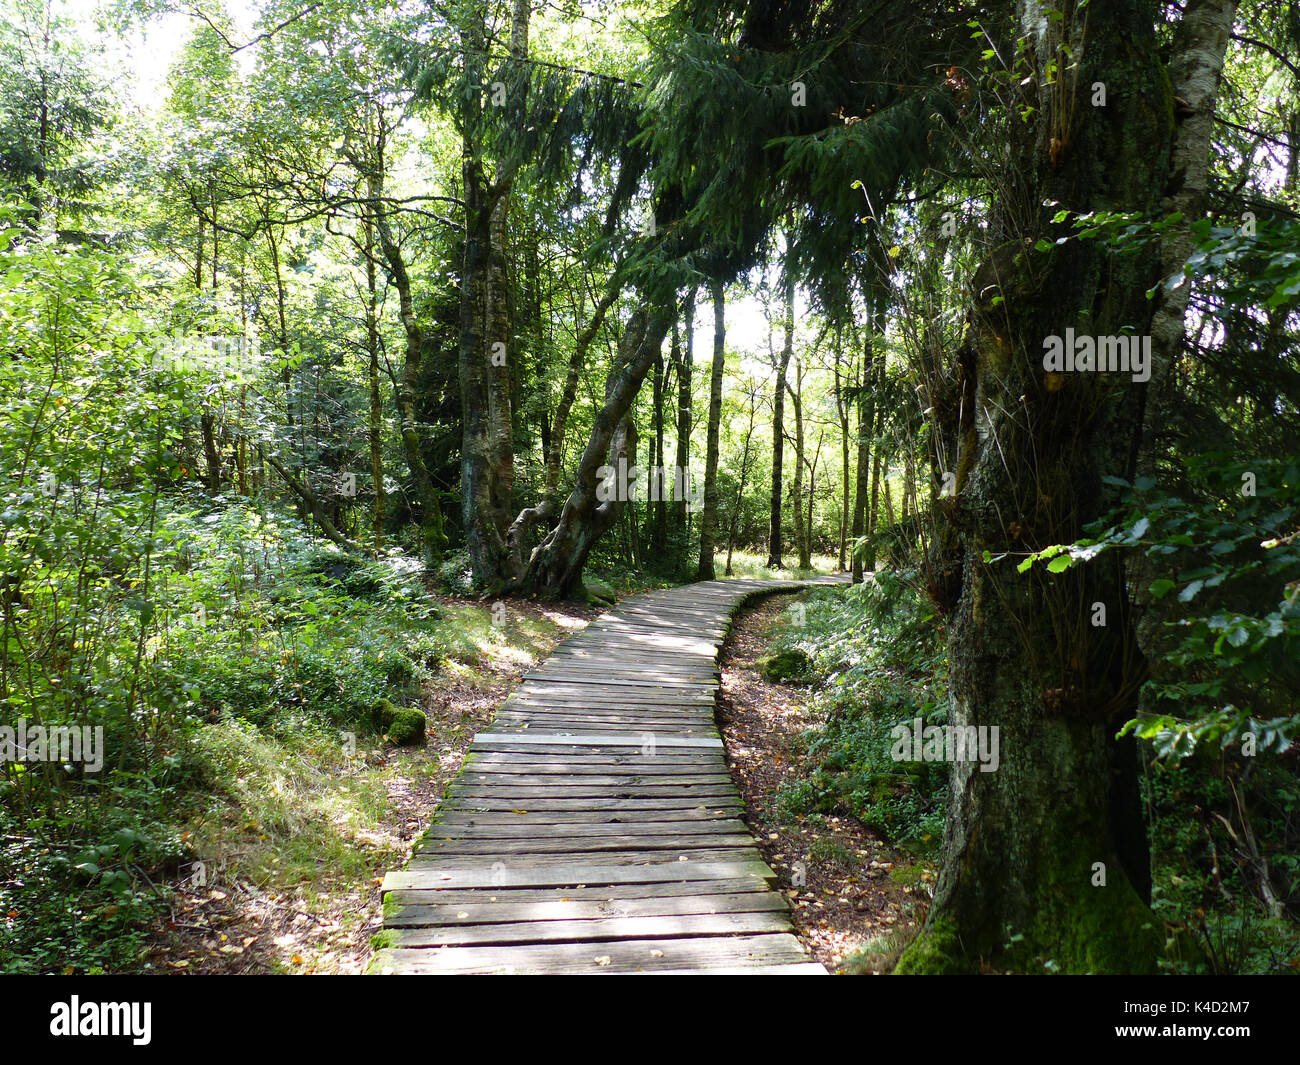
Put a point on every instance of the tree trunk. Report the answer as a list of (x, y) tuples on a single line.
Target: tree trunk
[(877, 461), (744, 480), (487, 439), (805, 553), (684, 358), (212, 458), (866, 412), (658, 504), (1046, 861), (312, 502), (778, 429), (555, 568), (376, 427), (842, 410), (796, 500), (709, 518), (521, 530), (434, 540)]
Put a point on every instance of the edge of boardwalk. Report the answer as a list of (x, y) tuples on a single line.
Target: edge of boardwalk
[(595, 827)]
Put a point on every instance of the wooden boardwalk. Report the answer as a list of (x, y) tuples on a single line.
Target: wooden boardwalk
[(595, 828)]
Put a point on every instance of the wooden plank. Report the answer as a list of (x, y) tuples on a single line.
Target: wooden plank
[(638, 854), (478, 759), (484, 876), (634, 955), (486, 739), (665, 892), (496, 830), (493, 802), (507, 848), (520, 796), (532, 775), (404, 914), (599, 928), (562, 821)]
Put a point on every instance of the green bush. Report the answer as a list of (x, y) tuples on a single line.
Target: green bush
[(874, 654)]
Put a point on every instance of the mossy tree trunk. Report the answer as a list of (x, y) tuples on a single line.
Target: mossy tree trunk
[(554, 569), (1021, 884), (486, 350)]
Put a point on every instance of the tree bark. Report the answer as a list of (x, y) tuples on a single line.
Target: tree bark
[(842, 411), (313, 503), (709, 517), (743, 481), (1046, 860), (376, 427), (434, 540), (657, 503), (555, 568), (487, 439), (866, 413), (778, 428), (796, 501), (684, 358)]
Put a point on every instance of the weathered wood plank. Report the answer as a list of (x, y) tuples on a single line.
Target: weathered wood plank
[(473, 828), (595, 739), (664, 891), (412, 914), (600, 928), (574, 874), (636, 955)]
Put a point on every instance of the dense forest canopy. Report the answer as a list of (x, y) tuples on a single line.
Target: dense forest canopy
[(314, 310)]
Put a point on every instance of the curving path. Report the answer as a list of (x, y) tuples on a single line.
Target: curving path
[(595, 829)]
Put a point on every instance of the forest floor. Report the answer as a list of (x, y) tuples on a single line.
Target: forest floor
[(368, 813), (855, 900)]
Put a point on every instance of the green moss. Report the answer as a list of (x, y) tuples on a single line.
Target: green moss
[(1075, 928), (384, 939), (407, 727), (598, 592), (1099, 930), (383, 714), (936, 951), (392, 908), (790, 664)]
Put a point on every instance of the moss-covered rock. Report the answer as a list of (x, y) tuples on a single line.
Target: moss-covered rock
[(382, 714), (599, 592), (791, 664), (407, 727)]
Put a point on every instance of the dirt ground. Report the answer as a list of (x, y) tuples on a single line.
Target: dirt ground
[(835, 871)]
